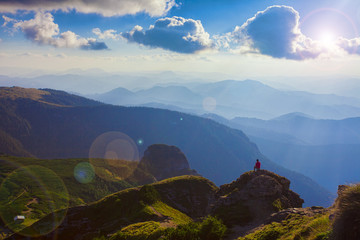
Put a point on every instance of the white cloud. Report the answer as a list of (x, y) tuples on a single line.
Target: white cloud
[(42, 30), (107, 34), (351, 46), (275, 32), (105, 7), (175, 34), (7, 20)]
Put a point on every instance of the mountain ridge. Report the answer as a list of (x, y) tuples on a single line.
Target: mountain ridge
[(186, 198), (220, 152), (316, 147), (241, 98)]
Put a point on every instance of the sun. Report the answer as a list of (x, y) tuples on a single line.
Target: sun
[(327, 39)]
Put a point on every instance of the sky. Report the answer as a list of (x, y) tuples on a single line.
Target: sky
[(240, 38)]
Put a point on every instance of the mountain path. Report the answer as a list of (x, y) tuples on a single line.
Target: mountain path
[(34, 200), (166, 221)]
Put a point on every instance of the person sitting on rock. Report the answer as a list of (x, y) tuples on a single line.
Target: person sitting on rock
[(257, 165)]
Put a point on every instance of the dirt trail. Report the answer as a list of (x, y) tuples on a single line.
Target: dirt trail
[(34, 200), (165, 220)]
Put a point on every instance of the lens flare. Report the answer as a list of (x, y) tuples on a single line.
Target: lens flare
[(327, 39), (84, 172), (114, 156), (30, 194), (327, 26), (140, 141), (209, 104)]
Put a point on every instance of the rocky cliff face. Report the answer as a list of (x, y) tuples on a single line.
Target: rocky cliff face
[(164, 161), (260, 193), (346, 225), (192, 195)]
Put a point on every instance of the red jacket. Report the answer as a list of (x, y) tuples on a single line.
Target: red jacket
[(257, 165)]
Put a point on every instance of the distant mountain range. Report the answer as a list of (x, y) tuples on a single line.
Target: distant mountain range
[(76, 82), (325, 150), (53, 124), (236, 99), (176, 91), (315, 134)]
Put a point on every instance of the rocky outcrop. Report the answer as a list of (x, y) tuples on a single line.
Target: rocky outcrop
[(346, 223), (192, 195), (309, 212), (260, 193), (164, 161)]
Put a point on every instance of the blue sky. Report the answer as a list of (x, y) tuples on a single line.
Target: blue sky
[(243, 38)]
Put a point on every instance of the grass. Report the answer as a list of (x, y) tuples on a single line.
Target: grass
[(79, 193), (139, 231), (137, 204), (176, 191), (209, 229), (347, 221), (32, 191), (295, 227), (43, 191), (187, 179), (17, 92), (132, 206), (277, 205), (37, 187), (176, 216)]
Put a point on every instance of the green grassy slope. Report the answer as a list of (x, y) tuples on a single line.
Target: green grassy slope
[(294, 227), (118, 210), (65, 169), (34, 188)]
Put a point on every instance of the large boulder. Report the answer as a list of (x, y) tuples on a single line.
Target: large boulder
[(164, 161), (259, 194), (346, 225)]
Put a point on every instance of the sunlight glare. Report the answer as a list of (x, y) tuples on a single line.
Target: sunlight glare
[(327, 39)]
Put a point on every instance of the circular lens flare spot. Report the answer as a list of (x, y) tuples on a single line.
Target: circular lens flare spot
[(209, 104), (140, 141), (84, 172), (33, 201), (114, 156)]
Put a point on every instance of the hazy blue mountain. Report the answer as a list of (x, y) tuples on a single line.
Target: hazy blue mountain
[(167, 97), (325, 150), (233, 91), (329, 165), (256, 96), (117, 96), (74, 81), (251, 127), (168, 107), (172, 94), (240, 98), (339, 85), (308, 130), (48, 130)]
